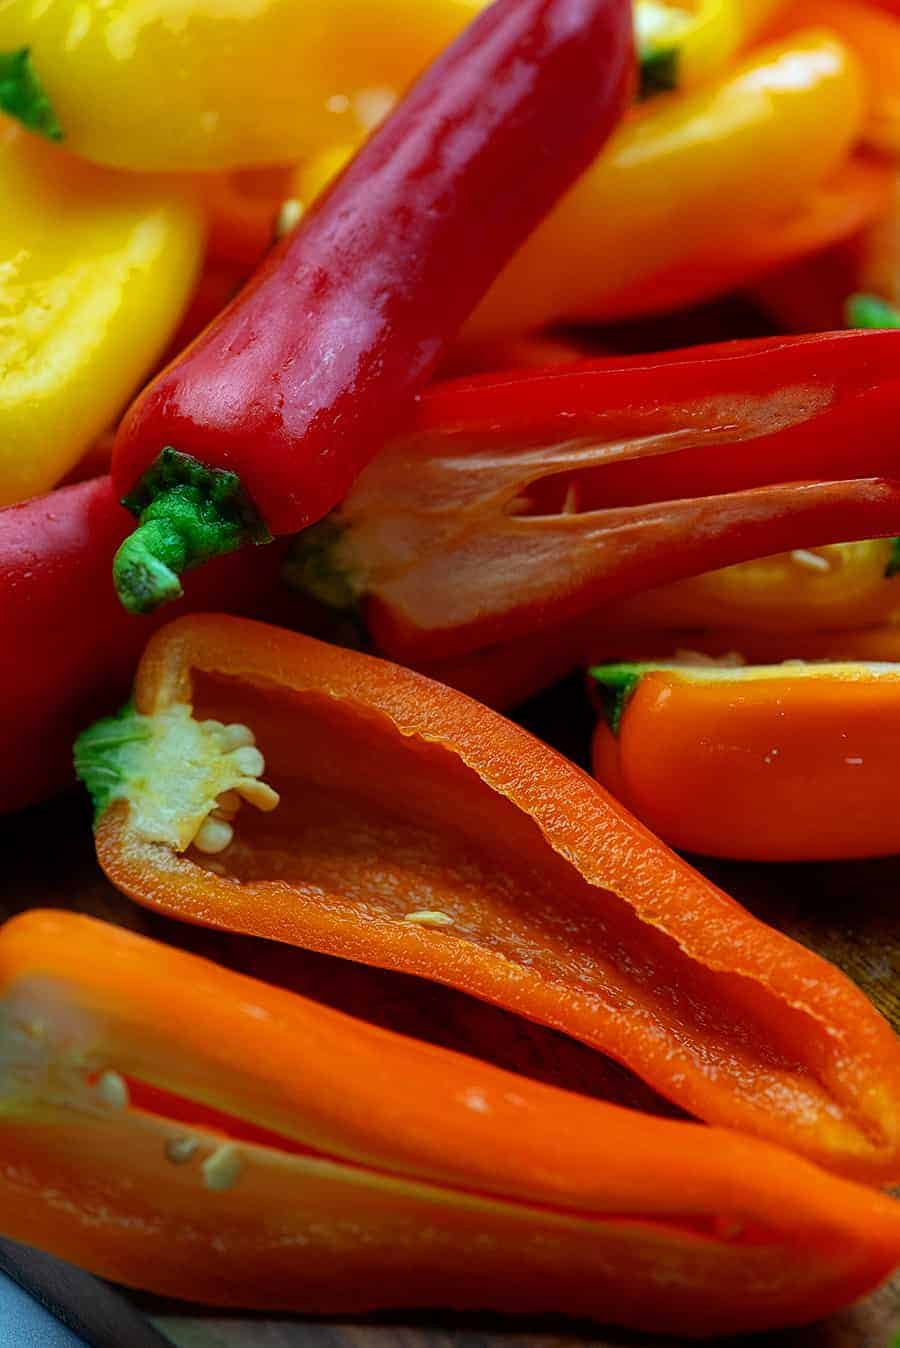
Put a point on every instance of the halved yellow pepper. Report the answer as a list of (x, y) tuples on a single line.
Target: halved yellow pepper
[(739, 155), (96, 269), (837, 587)]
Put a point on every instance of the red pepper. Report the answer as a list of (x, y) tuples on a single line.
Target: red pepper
[(520, 502), (275, 409), (66, 645)]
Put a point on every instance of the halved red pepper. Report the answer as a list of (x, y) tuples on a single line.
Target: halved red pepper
[(261, 426), (183, 1129), (413, 829), (514, 503), (785, 762), (66, 645)]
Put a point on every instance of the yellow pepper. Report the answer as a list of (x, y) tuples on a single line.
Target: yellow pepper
[(706, 34), (185, 84), (690, 172), (874, 35), (837, 587), (96, 268)]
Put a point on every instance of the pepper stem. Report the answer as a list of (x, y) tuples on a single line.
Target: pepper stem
[(188, 514), (871, 311)]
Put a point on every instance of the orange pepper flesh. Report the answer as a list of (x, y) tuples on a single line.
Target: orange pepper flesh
[(407, 795), (775, 769), (348, 1147)]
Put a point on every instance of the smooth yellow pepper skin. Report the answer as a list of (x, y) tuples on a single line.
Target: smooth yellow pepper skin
[(838, 587), (218, 84), (690, 172), (707, 34), (166, 85), (96, 269)]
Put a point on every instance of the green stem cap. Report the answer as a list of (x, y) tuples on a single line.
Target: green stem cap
[(188, 514)]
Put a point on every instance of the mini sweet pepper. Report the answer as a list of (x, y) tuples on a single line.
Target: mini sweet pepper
[(395, 822), (183, 1129), (97, 267), (790, 762)]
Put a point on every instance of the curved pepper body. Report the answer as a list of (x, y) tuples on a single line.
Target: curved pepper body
[(273, 82), (420, 832), (875, 38), (732, 158), (298, 383), (244, 84), (305, 375), (183, 1129), (855, 198), (97, 269), (516, 502), (762, 763), (66, 645)]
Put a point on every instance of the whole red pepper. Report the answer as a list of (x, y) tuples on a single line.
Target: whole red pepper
[(274, 410), (66, 644), (514, 503)]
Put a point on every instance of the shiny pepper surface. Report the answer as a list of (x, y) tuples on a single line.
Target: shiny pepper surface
[(277, 80), (95, 271), (790, 762), (688, 176), (186, 84)]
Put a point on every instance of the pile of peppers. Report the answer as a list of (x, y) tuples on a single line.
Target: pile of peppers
[(338, 422)]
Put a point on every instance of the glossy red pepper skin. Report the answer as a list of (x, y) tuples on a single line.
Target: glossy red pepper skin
[(514, 503), (301, 380), (66, 645)]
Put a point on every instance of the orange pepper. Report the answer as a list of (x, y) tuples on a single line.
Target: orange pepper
[(875, 39), (857, 195), (810, 295), (781, 762), (187, 1130), (421, 832)]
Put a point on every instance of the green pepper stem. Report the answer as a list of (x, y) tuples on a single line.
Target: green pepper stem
[(188, 514), (871, 311), (178, 530)]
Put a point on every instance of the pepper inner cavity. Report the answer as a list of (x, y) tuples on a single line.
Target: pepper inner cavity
[(209, 1140), (374, 824)]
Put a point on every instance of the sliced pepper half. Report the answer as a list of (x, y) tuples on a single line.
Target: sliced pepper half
[(790, 762), (415, 830), (186, 1130)]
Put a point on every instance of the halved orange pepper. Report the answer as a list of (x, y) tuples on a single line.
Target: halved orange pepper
[(421, 832), (790, 762), (196, 1133)]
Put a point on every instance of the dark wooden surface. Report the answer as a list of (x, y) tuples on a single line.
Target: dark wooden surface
[(847, 912)]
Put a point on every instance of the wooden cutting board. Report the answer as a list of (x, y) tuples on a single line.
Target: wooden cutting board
[(848, 912)]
